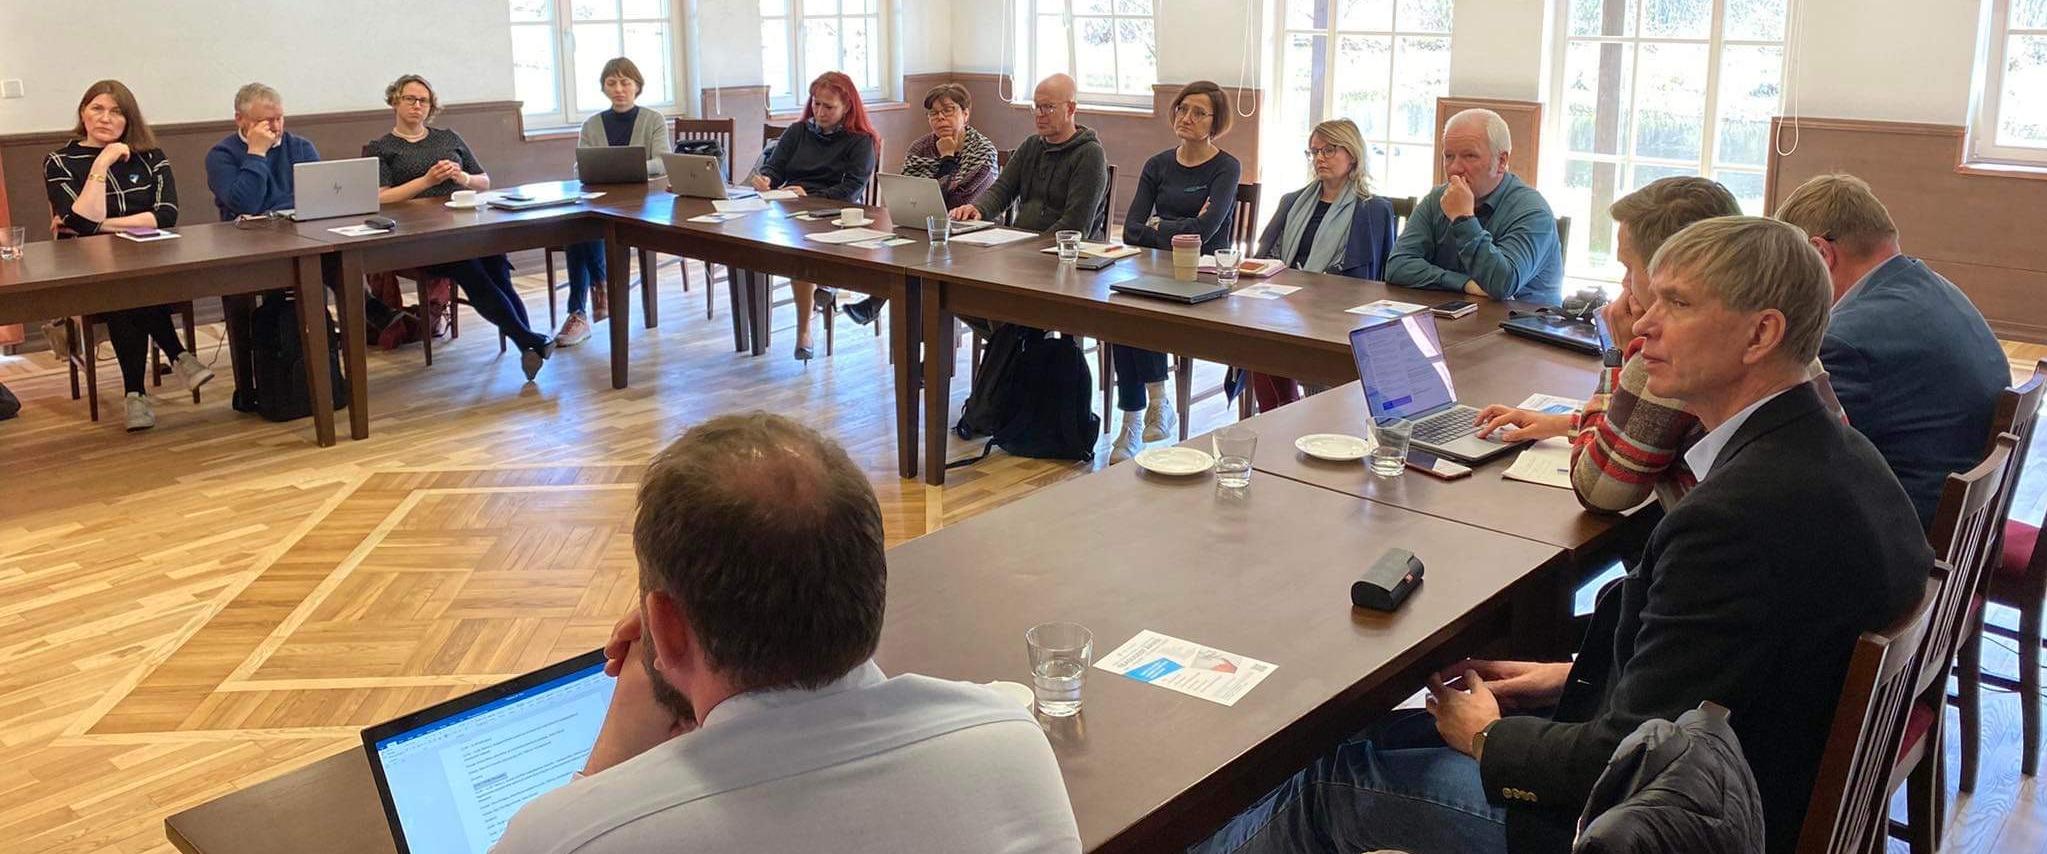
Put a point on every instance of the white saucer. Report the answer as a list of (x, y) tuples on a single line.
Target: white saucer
[(1015, 692), (1334, 447), (842, 224), (462, 207), (1175, 461)]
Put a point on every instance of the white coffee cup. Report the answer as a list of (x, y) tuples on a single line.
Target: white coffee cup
[(465, 198), (851, 216)]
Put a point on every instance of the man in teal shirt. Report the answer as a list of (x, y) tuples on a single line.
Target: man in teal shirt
[(1484, 232)]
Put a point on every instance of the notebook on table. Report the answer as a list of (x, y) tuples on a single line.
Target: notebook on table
[(1553, 328), (1161, 287)]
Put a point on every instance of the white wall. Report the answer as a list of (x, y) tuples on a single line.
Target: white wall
[(1198, 39), (925, 28), (1892, 60), (1498, 48), (729, 43), (185, 59)]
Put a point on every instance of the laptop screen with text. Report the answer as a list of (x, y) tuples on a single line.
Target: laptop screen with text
[(1401, 363)]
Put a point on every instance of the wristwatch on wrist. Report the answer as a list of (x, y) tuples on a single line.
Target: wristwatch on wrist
[(1611, 357), (1478, 740)]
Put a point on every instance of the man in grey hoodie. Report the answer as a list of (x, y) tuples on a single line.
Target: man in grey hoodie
[(1057, 178)]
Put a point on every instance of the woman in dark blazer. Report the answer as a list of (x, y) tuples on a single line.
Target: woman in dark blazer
[(1334, 225)]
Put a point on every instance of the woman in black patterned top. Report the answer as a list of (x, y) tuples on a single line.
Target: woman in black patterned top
[(416, 161), (110, 178)]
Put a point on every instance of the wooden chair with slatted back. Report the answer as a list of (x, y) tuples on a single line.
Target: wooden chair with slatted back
[(724, 132), (1403, 207), (2017, 579), (82, 335), (1964, 530), (1850, 793), (1564, 237)]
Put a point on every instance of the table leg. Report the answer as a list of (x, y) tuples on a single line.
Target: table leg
[(938, 357), (343, 272), (237, 311), (762, 295), (650, 299), (905, 319), (312, 300), (735, 289), (618, 266)]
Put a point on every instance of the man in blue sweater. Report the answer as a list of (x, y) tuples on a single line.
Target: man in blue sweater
[(249, 174), (1484, 232), (1912, 360)]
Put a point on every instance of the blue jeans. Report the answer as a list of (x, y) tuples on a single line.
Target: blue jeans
[(1134, 368), (1395, 785), (586, 267)]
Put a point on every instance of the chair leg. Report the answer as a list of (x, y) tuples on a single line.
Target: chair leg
[(710, 304), (192, 339), (71, 340), (1184, 374), (1107, 369), (1969, 688), (1921, 786), (155, 366), (548, 254), (650, 298), (426, 322), (2029, 685), (1244, 402), (89, 355), (974, 360), (831, 324)]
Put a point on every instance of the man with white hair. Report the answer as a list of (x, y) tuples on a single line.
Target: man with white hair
[(250, 170), (1749, 594), (1484, 232)]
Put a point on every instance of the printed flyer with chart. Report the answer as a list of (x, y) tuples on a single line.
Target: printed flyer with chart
[(1187, 667)]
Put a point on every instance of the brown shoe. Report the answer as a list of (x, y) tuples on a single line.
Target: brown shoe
[(600, 301)]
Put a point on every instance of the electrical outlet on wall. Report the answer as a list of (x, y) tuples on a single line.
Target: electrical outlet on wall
[(10, 89)]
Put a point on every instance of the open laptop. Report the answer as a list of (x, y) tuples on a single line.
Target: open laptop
[(909, 200), (609, 164), (698, 176), (1401, 363), (451, 775), (324, 189)]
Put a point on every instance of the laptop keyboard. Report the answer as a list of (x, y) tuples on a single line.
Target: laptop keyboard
[(1447, 426)]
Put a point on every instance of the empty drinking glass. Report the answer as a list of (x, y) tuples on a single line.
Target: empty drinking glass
[(1060, 655), (1390, 437), (1226, 260), (11, 241), (1069, 245), (1234, 447)]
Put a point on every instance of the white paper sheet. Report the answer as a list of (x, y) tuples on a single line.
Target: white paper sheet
[(161, 234), (778, 195), (1386, 308), (1547, 462), (1551, 404), (882, 242), (726, 216), (992, 237), (847, 235), (742, 205), (1187, 667), (358, 231), (1099, 250), (1264, 291)]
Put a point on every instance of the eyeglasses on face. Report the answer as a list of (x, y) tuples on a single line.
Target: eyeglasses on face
[(1324, 151), (1047, 109), (946, 112), (414, 100), (1191, 110)]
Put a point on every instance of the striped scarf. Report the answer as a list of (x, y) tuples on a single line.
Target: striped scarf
[(976, 157)]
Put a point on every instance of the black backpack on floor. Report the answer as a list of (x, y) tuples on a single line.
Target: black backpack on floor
[(278, 363), (1053, 418), (10, 405), (997, 385)]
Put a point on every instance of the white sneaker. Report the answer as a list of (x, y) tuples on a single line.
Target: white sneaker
[(1160, 419), (192, 371), (1127, 443), (575, 330), (141, 412)]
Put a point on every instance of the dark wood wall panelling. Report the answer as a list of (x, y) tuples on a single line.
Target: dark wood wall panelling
[(1976, 229)]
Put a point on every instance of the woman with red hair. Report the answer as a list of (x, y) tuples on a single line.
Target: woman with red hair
[(830, 153)]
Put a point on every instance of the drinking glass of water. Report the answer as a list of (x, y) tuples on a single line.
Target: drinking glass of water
[(1069, 245), (1390, 437), (1226, 261), (11, 241), (940, 229), (1234, 447), (1060, 655)]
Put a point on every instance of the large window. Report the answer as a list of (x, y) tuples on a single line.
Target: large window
[(1651, 88), (560, 46), (802, 39), (2010, 120), (1379, 63), (1110, 47)]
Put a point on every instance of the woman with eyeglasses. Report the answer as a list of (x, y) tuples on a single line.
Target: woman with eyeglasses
[(1190, 188), (416, 161), (1332, 225), (959, 157)]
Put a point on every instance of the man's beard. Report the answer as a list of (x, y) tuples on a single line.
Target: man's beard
[(667, 696)]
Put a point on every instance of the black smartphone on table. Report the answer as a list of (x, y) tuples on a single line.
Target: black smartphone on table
[(1454, 309)]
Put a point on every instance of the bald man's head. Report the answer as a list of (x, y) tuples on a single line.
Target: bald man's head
[(1054, 103)]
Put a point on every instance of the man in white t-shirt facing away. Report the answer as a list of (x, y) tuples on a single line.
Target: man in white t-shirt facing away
[(749, 714)]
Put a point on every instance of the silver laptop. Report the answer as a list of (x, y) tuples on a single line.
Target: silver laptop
[(909, 200), (698, 176), (1401, 363), (622, 164), (326, 189)]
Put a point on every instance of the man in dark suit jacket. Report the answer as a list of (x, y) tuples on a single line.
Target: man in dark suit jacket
[(1750, 592), (1915, 365)]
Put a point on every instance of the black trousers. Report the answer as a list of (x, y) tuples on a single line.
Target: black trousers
[(487, 282), (131, 331)]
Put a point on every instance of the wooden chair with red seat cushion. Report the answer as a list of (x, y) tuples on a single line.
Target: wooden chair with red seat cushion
[(2018, 580)]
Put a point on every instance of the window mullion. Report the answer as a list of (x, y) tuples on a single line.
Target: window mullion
[(1715, 52), (565, 61)]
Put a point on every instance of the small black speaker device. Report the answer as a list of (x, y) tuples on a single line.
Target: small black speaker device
[(1386, 584)]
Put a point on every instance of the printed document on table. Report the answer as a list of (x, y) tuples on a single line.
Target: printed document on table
[(726, 216), (358, 230), (847, 235), (1547, 462), (161, 234), (1187, 667), (778, 195), (740, 205), (1264, 291), (1099, 250), (993, 237), (1386, 309), (881, 242), (1551, 404)]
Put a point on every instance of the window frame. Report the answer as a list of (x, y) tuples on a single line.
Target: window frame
[(793, 18), (1707, 164), (1986, 102), (560, 27), (1332, 33), (1032, 70)]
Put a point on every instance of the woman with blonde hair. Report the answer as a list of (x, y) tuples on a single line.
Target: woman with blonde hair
[(1332, 225)]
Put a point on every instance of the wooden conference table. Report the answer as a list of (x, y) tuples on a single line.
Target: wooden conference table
[(63, 278)]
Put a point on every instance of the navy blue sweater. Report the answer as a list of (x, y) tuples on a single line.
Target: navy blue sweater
[(244, 184)]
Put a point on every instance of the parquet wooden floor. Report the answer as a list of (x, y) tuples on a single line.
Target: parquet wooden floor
[(206, 605)]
